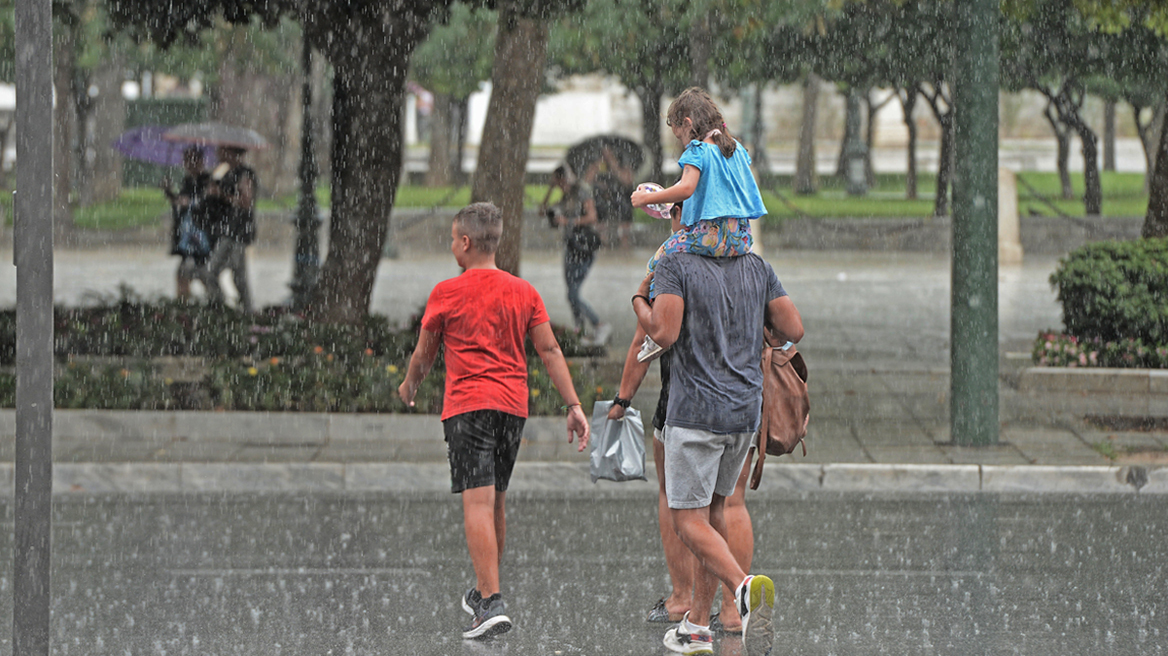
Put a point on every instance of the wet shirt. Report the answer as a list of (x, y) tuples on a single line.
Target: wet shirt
[(483, 317), (726, 188), (233, 222), (715, 378)]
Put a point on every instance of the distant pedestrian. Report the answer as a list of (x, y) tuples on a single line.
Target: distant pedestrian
[(720, 191), (612, 182), (231, 196), (189, 238), (576, 214), (709, 310), (481, 318)]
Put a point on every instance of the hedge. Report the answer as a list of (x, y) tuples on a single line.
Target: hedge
[(1115, 290)]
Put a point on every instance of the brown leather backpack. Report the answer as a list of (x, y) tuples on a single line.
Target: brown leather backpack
[(786, 407)]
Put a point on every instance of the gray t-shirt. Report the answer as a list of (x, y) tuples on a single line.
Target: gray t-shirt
[(715, 380)]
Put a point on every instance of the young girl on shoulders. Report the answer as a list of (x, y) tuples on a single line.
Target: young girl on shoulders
[(720, 193)]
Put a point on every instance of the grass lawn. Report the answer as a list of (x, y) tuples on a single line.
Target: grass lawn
[(1123, 195)]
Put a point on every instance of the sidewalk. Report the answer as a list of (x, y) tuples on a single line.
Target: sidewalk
[(877, 349)]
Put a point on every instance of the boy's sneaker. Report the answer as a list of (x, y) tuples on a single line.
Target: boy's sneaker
[(650, 350), (756, 604), (471, 600), (685, 638), (489, 619)]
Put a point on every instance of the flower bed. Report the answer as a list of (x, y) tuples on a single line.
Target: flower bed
[(1058, 350), (111, 357)]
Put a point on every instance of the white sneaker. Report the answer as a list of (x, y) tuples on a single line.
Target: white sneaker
[(685, 638), (756, 604), (650, 350), (603, 332)]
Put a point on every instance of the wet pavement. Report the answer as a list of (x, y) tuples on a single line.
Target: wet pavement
[(382, 574), (877, 346)]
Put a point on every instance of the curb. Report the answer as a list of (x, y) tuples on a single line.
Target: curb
[(1092, 379), (573, 479)]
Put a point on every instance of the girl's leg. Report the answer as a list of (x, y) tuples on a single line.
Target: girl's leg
[(674, 243), (720, 238)]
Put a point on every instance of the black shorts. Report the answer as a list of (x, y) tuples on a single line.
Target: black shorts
[(482, 446)]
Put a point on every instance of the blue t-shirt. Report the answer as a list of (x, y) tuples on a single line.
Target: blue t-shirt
[(715, 377), (726, 190)]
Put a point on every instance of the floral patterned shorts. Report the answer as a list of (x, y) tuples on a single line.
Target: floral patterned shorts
[(716, 238)]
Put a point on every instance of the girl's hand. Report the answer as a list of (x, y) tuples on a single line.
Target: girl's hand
[(640, 198)]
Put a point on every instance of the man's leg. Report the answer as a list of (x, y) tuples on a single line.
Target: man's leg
[(485, 528), (239, 276), (218, 261), (740, 536), (703, 530), (679, 560)]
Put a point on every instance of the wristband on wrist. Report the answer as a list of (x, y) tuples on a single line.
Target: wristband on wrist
[(624, 403)]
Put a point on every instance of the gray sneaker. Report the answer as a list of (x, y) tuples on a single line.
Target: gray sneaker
[(603, 332), (471, 600), (489, 619)]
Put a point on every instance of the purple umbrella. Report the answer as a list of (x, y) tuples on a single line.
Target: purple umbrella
[(145, 144)]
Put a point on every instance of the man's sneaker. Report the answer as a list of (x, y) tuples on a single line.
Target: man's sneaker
[(603, 332), (650, 350), (489, 619), (685, 638), (756, 604), (471, 600)]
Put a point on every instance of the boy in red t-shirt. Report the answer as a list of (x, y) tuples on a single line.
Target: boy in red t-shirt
[(482, 318)]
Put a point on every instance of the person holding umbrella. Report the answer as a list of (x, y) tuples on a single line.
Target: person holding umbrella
[(231, 203), (188, 236)]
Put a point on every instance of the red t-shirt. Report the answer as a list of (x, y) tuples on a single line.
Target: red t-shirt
[(483, 317)]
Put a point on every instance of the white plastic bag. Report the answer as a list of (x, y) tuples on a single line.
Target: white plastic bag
[(618, 447)]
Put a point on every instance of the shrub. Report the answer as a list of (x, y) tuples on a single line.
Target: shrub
[(1116, 290)]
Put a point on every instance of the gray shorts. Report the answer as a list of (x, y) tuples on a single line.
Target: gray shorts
[(700, 464)]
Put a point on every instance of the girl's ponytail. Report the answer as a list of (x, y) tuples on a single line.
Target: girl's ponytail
[(696, 105)]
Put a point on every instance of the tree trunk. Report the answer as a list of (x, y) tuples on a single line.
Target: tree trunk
[(699, 52), (368, 94), (1092, 184), (806, 180), (1156, 220), (853, 119), (870, 134), (1149, 133), (109, 114), (516, 78), (762, 166), (1109, 135), (1068, 111), (908, 103), (460, 117), (944, 166), (438, 170), (650, 95), (1063, 138), (64, 121)]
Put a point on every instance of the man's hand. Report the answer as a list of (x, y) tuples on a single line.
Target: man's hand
[(406, 393), (578, 425), (616, 412), (643, 289)]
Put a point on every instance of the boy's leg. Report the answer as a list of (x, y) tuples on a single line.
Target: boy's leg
[(482, 523)]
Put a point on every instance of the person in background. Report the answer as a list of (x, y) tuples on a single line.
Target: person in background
[(231, 196), (576, 214), (188, 201)]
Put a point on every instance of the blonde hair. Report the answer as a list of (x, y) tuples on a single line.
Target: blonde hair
[(695, 104)]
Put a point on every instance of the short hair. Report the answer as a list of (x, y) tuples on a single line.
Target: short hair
[(483, 223)]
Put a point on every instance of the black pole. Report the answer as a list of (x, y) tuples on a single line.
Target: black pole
[(33, 256), (306, 263)]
